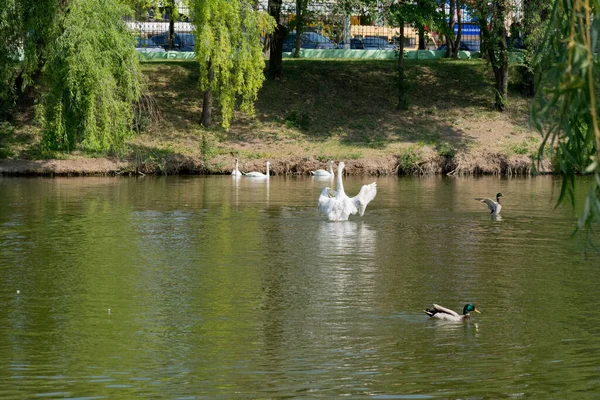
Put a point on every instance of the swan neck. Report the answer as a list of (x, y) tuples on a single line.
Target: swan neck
[(267, 170), (340, 184)]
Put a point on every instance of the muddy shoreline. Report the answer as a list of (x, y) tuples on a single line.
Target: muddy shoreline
[(461, 164)]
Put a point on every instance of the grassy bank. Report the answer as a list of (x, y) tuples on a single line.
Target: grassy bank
[(320, 110)]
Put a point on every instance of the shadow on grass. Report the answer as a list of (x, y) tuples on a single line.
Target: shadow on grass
[(355, 101)]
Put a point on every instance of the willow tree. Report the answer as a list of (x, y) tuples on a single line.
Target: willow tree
[(27, 28), (93, 79), (566, 106), (229, 51)]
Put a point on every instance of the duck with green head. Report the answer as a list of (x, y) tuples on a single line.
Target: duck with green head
[(494, 206), (443, 313)]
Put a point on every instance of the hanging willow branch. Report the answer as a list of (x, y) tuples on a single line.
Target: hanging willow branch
[(566, 109)]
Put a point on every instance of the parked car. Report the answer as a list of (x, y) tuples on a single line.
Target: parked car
[(377, 43), (182, 41), (310, 40), (355, 44), (462, 47), (146, 45)]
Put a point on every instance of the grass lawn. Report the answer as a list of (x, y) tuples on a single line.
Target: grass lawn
[(327, 109)]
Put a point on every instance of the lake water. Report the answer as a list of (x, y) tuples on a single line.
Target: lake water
[(211, 287)]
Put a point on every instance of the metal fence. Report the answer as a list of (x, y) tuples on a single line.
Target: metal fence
[(324, 29)]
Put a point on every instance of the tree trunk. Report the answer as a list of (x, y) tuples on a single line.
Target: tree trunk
[(501, 77), (456, 44), (347, 32), (171, 25), (402, 95), (500, 63), (299, 26), (420, 26), (276, 41), (207, 100), (450, 33), (421, 38)]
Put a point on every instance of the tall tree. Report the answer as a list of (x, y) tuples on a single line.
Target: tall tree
[(492, 23), (536, 17), (566, 107), (399, 13), (452, 38), (276, 40), (229, 52), (93, 78), (300, 21), (27, 28)]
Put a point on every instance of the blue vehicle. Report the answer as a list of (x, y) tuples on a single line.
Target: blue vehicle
[(355, 44), (376, 43), (310, 40), (182, 41)]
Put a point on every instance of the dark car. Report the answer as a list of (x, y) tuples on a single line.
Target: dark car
[(462, 47), (355, 44), (377, 43), (310, 40), (182, 41)]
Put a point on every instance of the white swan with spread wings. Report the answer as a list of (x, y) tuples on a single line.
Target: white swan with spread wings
[(338, 206)]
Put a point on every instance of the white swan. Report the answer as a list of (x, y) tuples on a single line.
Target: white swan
[(338, 206), (236, 171), (322, 172), (255, 174)]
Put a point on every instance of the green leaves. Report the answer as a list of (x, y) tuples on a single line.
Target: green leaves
[(566, 110), (228, 42), (93, 79)]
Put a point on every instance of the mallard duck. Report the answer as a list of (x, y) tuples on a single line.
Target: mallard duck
[(338, 206), (494, 206), (256, 174), (446, 314)]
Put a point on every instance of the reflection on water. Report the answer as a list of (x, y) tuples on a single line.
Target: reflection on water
[(346, 237), (229, 288)]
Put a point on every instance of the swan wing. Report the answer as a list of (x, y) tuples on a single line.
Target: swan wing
[(364, 197), (326, 200), (492, 205), (445, 310)]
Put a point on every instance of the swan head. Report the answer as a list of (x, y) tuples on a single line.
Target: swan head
[(341, 165)]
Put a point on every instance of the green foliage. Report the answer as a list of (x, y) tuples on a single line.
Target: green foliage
[(492, 17), (93, 78), (27, 27), (228, 44), (297, 119), (6, 131), (207, 149), (445, 149), (566, 109), (408, 160)]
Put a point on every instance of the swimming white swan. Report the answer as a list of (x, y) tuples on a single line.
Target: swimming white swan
[(322, 172), (493, 206), (236, 171), (255, 174), (338, 206)]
